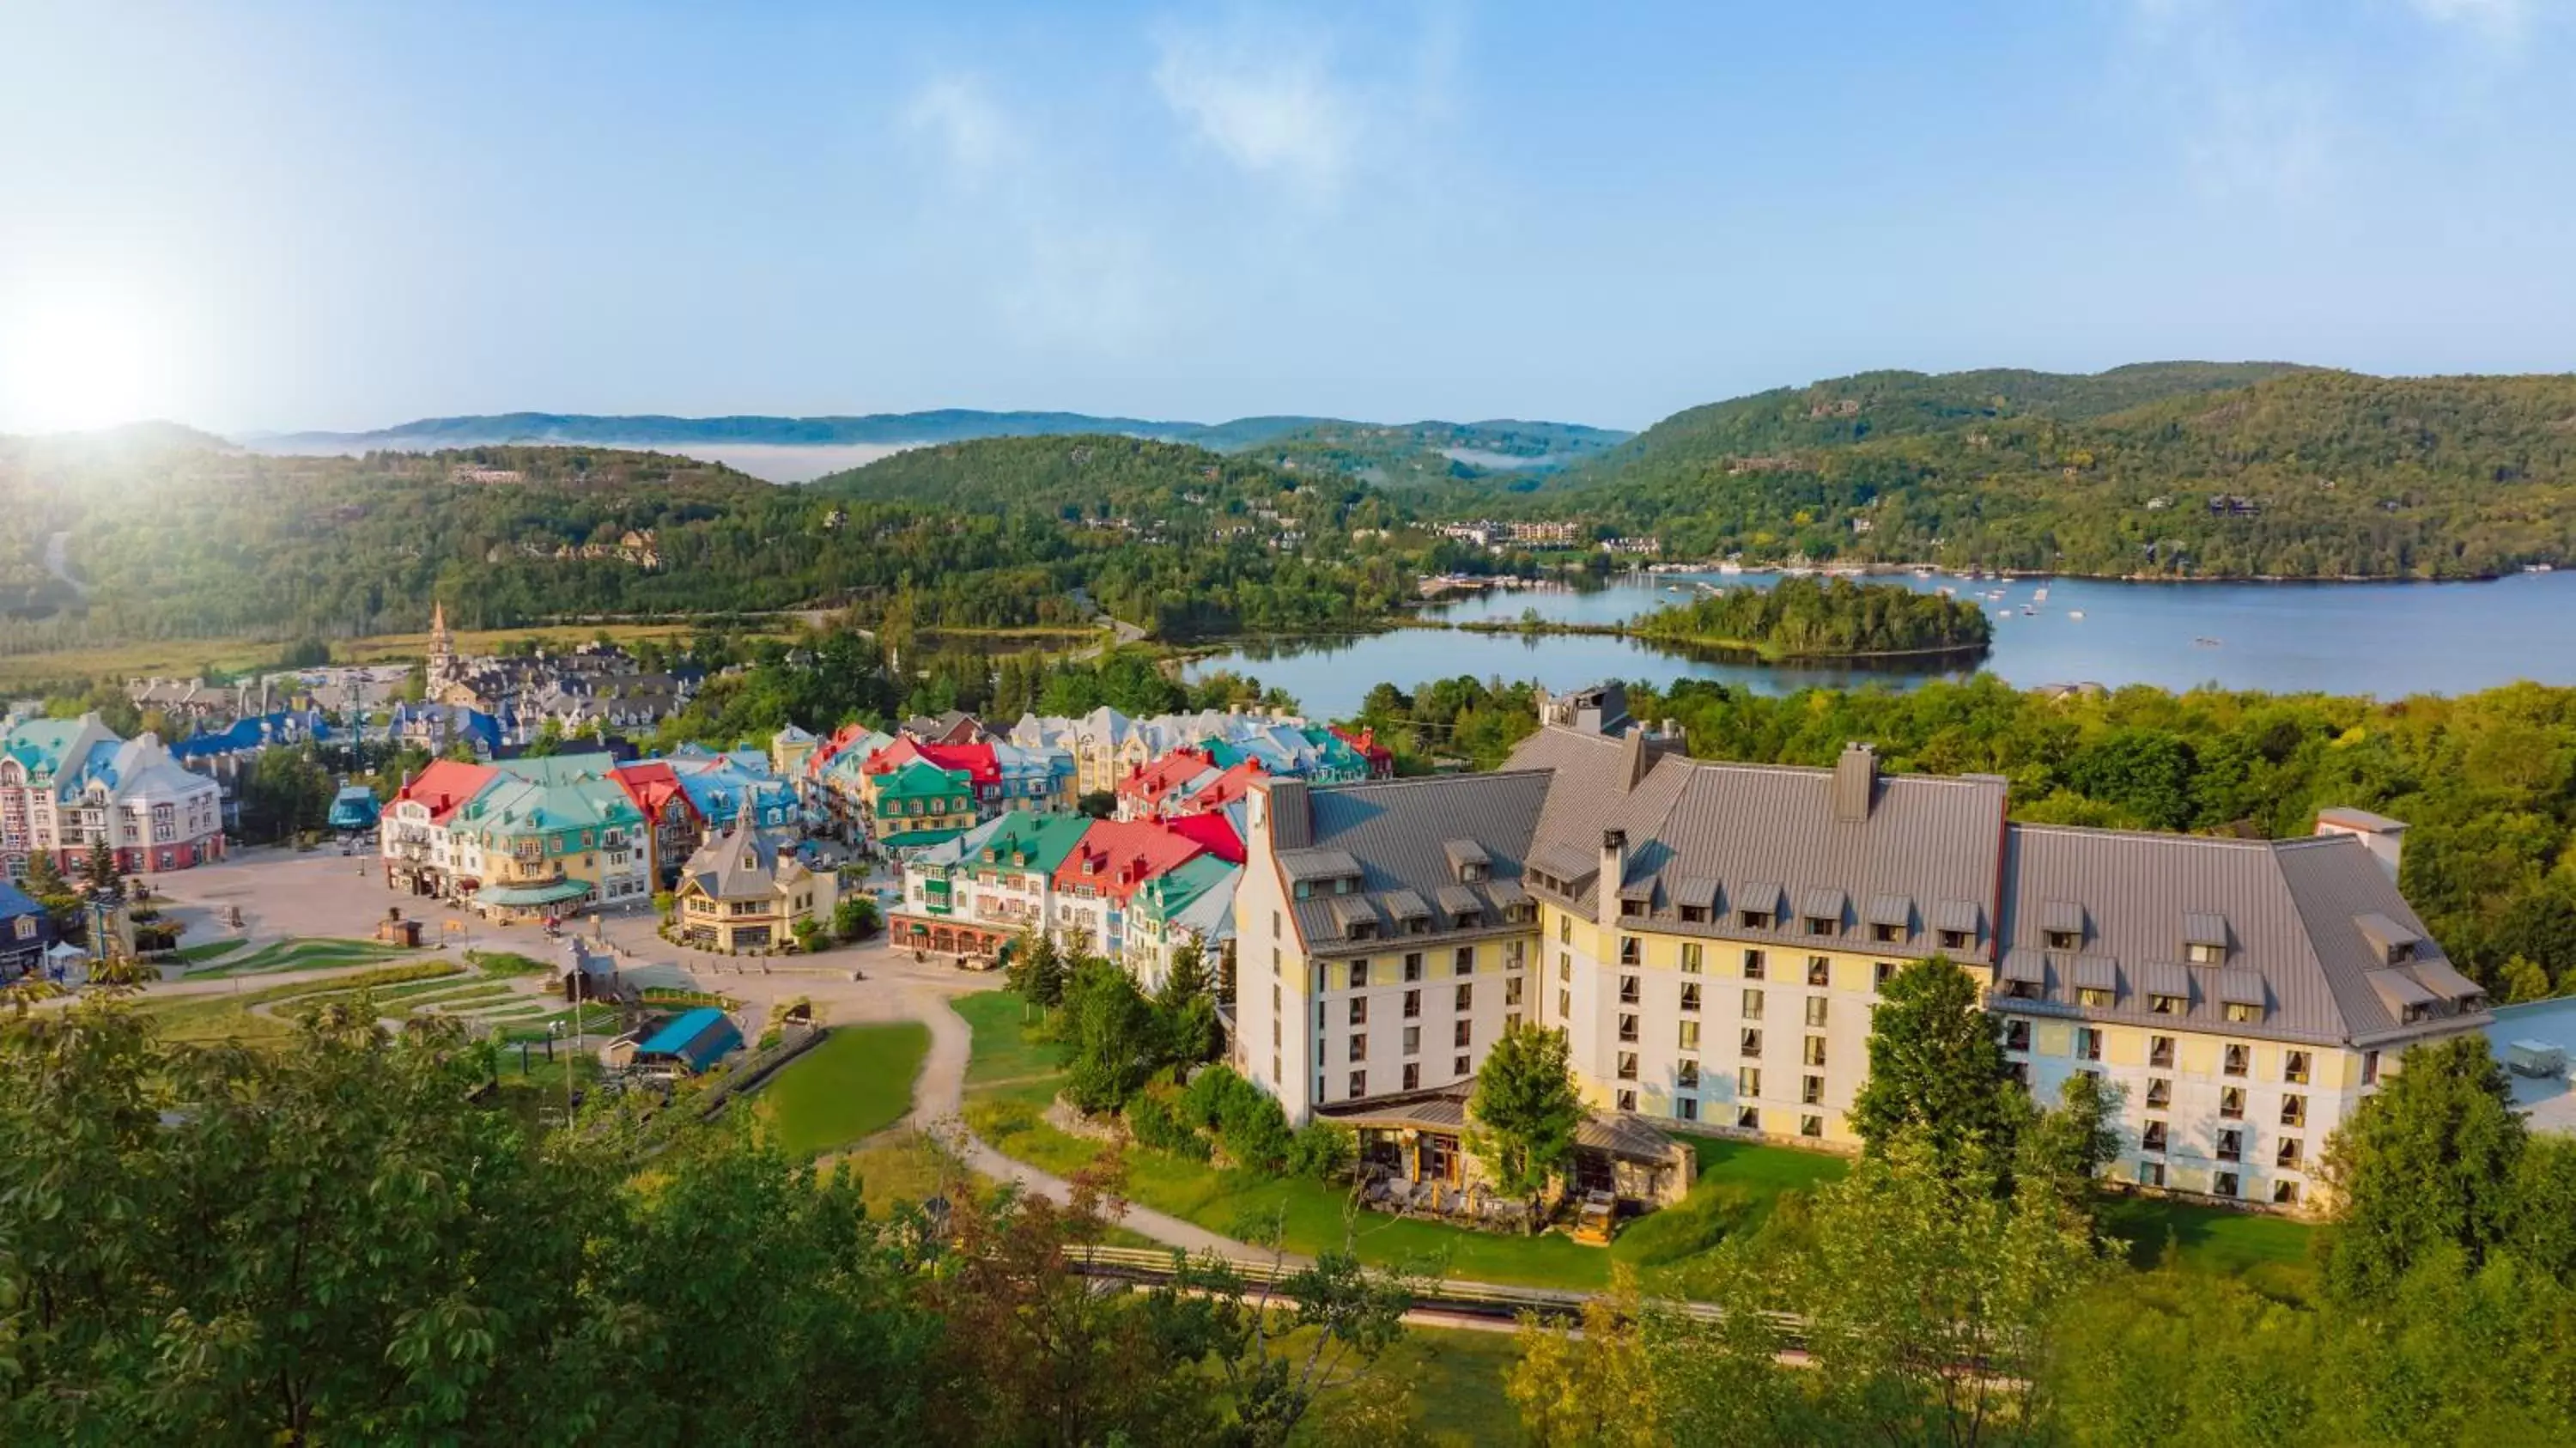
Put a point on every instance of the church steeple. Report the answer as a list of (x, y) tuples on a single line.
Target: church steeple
[(442, 649)]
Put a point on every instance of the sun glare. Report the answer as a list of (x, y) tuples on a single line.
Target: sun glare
[(67, 365)]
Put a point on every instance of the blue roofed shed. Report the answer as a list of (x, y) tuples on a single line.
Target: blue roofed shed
[(694, 1042), (353, 808)]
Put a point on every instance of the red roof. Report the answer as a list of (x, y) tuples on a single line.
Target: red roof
[(652, 785), (446, 784), (1213, 832), (1114, 857), (975, 761), (1225, 789), (1153, 781), (1380, 758)]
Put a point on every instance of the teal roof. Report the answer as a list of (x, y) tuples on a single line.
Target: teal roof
[(916, 839), (1043, 840), (39, 744), (554, 894), (1171, 892)]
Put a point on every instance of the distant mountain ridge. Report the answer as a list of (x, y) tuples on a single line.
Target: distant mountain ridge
[(951, 424)]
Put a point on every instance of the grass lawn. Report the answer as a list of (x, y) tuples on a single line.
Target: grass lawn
[(2270, 1254), (503, 964), (1010, 1080), (855, 1084), (595, 1020), (1451, 1376), (206, 950), (208, 1018), (303, 954)]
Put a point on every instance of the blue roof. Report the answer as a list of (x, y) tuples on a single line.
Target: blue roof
[(675, 1037), (15, 902), (243, 735)]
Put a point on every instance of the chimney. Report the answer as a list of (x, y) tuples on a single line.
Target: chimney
[(1855, 783), (2385, 838), (1634, 760), (1614, 873)]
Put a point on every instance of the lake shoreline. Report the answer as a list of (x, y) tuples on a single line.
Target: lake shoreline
[(1739, 648)]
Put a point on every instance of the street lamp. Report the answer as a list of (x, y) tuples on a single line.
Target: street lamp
[(553, 1030)]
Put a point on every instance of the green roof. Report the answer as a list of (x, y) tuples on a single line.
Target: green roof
[(916, 777), (1171, 892), (554, 894), (1041, 840), (915, 839)]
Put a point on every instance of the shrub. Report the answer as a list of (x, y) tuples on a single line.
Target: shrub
[(1155, 1122), (1323, 1150)]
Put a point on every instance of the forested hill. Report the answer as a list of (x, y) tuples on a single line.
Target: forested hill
[(1101, 479), (2169, 470)]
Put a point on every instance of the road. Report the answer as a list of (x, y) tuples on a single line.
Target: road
[(58, 561)]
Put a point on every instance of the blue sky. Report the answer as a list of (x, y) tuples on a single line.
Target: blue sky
[(286, 215)]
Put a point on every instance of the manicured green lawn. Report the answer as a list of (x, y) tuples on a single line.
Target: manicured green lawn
[(1453, 1378), (503, 964), (855, 1084), (304, 954), (206, 950), (1003, 1049), (2271, 1254), (206, 1018)]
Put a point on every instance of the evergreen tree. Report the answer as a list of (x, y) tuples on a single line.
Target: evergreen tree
[(1936, 1065), (99, 872)]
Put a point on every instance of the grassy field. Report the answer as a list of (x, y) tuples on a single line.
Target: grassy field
[(295, 953), (1010, 1080), (855, 1084), (206, 950), (1450, 1377), (2271, 1254), (208, 1018)]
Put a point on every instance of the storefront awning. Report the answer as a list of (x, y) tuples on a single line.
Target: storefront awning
[(523, 896)]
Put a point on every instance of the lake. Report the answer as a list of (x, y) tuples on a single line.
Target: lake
[(2384, 639)]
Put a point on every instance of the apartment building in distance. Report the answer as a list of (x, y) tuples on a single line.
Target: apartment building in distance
[(1712, 938), (68, 786)]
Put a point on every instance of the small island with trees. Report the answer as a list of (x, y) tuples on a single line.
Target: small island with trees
[(1802, 619)]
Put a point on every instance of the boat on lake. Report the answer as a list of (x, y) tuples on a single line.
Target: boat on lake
[(2206, 642), (2075, 613)]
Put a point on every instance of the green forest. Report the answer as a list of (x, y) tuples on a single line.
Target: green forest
[(2486, 781), (2169, 470), (1804, 618)]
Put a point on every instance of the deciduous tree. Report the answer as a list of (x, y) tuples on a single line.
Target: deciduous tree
[(1524, 1111)]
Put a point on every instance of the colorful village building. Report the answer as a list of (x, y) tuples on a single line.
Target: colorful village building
[(742, 893), (68, 786)]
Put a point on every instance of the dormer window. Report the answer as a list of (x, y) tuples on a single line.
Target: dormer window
[(1364, 930), (2204, 939), (1469, 874), (1755, 919), (1632, 908), (1694, 915), (1887, 934), (2197, 953), (2064, 940), (1954, 940), (2167, 1005)]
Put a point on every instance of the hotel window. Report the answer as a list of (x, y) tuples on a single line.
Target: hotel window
[(1753, 965), (1358, 1050), (2088, 1043), (2370, 1068), (2166, 1005), (1815, 1050), (1627, 1065), (1359, 1011), (1565, 930), (2159, 1093), (1820, 971), (2294, 1111), (2151, 1174), (1632, 906), (1690, 957), (1465, 963), (2294, 1068), (1459, 1066), (2160, 1052), (1816, 1011), (2285, 1194), (1359, 974), (2199, 954), (1756, 919), (1565, 1005), (1412, 1004), (1630, 951), (1512, 1022), (1748, 1118), (1689, 1037), (1954, 940), (2016, 1035), (1564, 966), (2153, 1138), (1750, 1043), (2243, 1013), (1881, 973), (1413, 965), (1466, 998), (2235, 1064), (1752, 1004), (2231, 1103), (2019, 1071), (1811, 1090), (1887, 934), (1686, 1076), (2094, 997), (1627, 1100), (2287, 1156), (2064, 939), (1686, 1109), (1512, 989), (1275, 1033), (1359, 1083), (1628, 990), (1274, 995), (1811, 1126), (1412, 1076), (2231, 1145), (1690, 995), (1413, 1040), (1462, 1033), (1819, 925), (1627, 1027), (1748, 1081)]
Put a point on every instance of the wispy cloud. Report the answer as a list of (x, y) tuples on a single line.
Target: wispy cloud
[(962, 122), (2502, 21), (1266, 98)]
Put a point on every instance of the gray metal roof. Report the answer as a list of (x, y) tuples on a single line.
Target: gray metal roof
[(1465, 852), (1896, 910), (1566, 862), (1963, 916), (1318, 864), (1406, 904), (2063, 916), (2287, 910), (2097, 972), (1395, 833), (1762, 896), (1457, 900), (2393, 941), (1823, 905), (1699, 892)]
